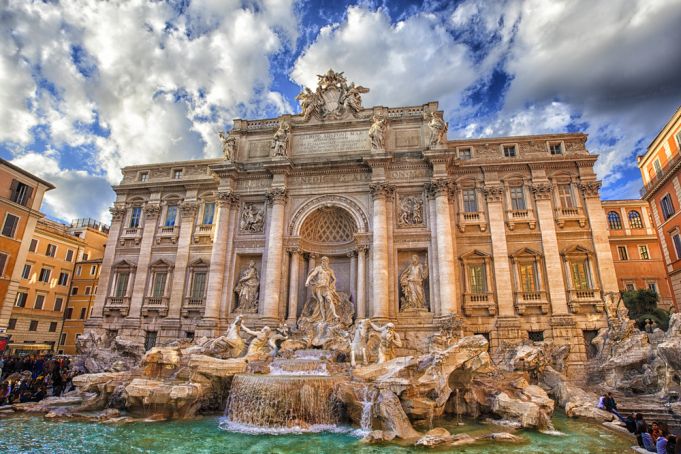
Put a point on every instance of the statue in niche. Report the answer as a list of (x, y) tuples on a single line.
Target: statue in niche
[(411, 210), (252, 219), (323, 281), (411, 282), (377, 133), (438, 129), (359, 342), (228, 145), (247, 289), (280, 140), (388, 338)]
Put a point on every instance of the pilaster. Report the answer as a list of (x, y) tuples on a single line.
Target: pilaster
[(381, 192), (187, 215), (502, 271), (277, 197), (152, 210)]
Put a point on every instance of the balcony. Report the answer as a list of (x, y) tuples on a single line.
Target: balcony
[(585, 301), (131, 233), (514, 217), (472, 218), (534, 301), (193, 305), (169, 233), (117, 305), (203, 231), (479, 304), (155, 305), (564, 215)]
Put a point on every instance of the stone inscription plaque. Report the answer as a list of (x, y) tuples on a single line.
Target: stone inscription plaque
[(259, 149), (407, 138), (330, 142)]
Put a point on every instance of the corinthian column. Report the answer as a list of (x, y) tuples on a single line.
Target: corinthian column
[(151, 212), (502, 270), (380, 303), (187, 216), (226, 201), (439, 189), (277, 198), (361, 282), (294, 279)]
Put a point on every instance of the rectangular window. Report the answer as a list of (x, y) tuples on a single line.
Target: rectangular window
[(653, 286), (667, 206), (12, 323), (135, 217), (39, 301), (44, 275), (465, 154), (177, 174), (69, 255), (622, 252), (657, 166), (21, 299), (470, 202), (677, 245), (82, 313), (198, 284), (3, 262), (518, 198), (528, 277), (150, 340), (565, 195), (26, 273), (33, 326), (20, 192), (63, 279), (630, 286), (159, 284), (74, 291), (58, 303), (51, 250), (10, 227), (68, 313), (121, 288), (144, 176), (93, 270), (208, 213), (556, 148), (85, 256), (171, 215), (509, 151), (53, 327), (62, 339), (643, 252), (33, 246), (535, 336), (477, 280), (88, 290), (580, 275)]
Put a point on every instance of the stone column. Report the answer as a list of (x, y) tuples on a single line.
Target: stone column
[(361, 282), (380, 303), (353, 275), (434, 274), (151, 213), (277, 197), (440, 189), (502, 272), (294, 280), (311, 263), (599, 232), (226, 201), (547, 225), (177, 292), (103, 290)]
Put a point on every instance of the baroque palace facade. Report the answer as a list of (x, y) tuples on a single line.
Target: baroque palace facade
[(507, 234)]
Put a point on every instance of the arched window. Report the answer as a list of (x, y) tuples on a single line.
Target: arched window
[(635, 221), (614, 221)]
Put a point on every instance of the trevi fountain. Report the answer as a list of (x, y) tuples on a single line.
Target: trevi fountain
[(411, 335)]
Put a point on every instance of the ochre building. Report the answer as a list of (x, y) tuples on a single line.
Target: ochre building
[(506, 234), (80, 303), (636, 250), (662, 189)]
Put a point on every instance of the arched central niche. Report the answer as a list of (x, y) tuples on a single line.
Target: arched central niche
[(328, 225)]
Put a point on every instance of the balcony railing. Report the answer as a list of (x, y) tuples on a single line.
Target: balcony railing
[(514, 217), (131, 233), (203, 231), (155, 304), (167, 232), (467, 218), (192, 304), (479, 304), (531, 300), (660, 175), (117, 304), (570, 214), (585, 298)]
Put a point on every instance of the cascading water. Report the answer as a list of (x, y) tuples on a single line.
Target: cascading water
[(367, 409)]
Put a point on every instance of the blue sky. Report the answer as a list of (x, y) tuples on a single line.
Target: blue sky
[(87, 87)]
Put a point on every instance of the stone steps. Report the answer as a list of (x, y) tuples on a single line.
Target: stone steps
[(651, 411)]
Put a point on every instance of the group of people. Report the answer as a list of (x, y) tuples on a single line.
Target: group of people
[(653, 438), (31, 378)]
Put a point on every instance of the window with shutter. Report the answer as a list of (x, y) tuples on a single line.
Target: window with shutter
[(9, 229), (3, 262)]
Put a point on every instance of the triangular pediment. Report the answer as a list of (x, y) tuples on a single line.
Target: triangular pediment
[(576, 250), (526, 252), (475, 254)]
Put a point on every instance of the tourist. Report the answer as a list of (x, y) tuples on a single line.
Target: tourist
[(647, 442), (641, 428), (630, 423), (611, 406), (661, 442), (655, 430), (671, 444)]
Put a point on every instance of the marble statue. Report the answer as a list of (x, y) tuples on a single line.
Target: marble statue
[(352, 100), (438, 129), (359, 342), (411, 282), (262, 343), (280, 139), (309, 103), (252, 219), (377, 133), (247, 289), (332, 98), (323, 282), (411, 211), (388, 338), (228, 145), (230, 345)]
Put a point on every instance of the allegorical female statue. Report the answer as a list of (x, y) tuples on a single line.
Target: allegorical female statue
[(377, 133), (280, 139), (411, 281), (247, 289)]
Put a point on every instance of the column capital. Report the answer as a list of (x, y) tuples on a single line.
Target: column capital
[(382, 189), (188, 209), (351, 254), (362, 248), (294, 250), (590, 189), (152, 210), (227, 198), (277, 196), (541, 191), (493, 193), (438, 187), (117, 212)]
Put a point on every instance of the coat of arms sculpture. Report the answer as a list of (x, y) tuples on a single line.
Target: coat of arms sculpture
[(333, 98)]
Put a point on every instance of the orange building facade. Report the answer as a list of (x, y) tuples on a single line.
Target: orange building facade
[(661, 171), (636, 251)]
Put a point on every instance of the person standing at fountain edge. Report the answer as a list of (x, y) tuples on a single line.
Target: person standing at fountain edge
[(323, 280), (388, 339)]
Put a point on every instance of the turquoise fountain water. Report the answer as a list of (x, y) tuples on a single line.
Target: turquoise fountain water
[(37, 435)]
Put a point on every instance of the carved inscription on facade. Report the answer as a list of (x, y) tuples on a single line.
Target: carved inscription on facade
[(259, 149), (330, 142), (406, 138), (304, 180), (408, 174)]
